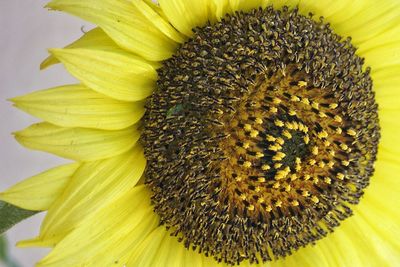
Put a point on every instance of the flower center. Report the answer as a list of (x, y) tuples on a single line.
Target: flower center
[(261, 134)]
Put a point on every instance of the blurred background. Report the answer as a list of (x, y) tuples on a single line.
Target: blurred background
[(27, 30)]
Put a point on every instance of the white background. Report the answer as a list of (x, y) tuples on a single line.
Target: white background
[(26, 31)]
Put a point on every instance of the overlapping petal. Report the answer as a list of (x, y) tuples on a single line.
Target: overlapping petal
[(93, 186), (78, 106), (124, 23), (186, 15), (158, 21), (40, 191), (246, 5), (220, 8), (95, 39), (79, 144), (117, 74), (110, 234), (161, 249), (390, 132), (362, 20), (384, 57)]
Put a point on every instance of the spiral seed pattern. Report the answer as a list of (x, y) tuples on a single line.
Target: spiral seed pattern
[(260, 136)]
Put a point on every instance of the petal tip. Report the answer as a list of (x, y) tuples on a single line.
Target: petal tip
[(45, 63), (13, 99), (52, 5), (34, 242)]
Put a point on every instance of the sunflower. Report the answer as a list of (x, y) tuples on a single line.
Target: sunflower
[(220, 133)]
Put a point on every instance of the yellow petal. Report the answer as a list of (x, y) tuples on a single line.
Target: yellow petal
[(383, 57), (386, 100), (107, 237), (384, 184), (172, 253), (128, 243), (221, 8), (343, 247), (119, 75), (381, 236), (362, 20), (93, 186), (186, 15), (158, 21), (311, 256), (191, 258), (40, 191), (79, 144), (280, 3), (387, 89), (78, 106), (374, 231), (168, 251), (390, 131), (375, 18), (96, 39), (209, 261), (390, 34), (246, 5), (124, 23), (383, 228), (144, 254)]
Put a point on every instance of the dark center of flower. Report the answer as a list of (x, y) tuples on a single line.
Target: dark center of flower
[(261, 134)]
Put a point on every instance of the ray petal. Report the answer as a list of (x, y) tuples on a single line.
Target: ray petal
[(110, 234), (40, 191), (119, 75), (79, 144), (186, 15), (95, 38), (78, 106), (124, 23)]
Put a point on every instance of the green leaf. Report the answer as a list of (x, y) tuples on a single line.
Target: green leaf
[(3, 248), (4, 253), (10, 215)]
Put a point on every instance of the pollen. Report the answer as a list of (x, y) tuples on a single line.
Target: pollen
[(259, 155), (287, 134), (247, 127), (277, 100), (279, 123), (247, 164), (345, 163), (265, 167), (246, 145), (340, 176), (338, 118), (333, 105), (315, 199), (302, 83), (273, 109), (261, 179), (261, 133), (351, 132), (259, 121), (254, 133)]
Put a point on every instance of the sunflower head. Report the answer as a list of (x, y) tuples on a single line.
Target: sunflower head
[(259, 136)]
